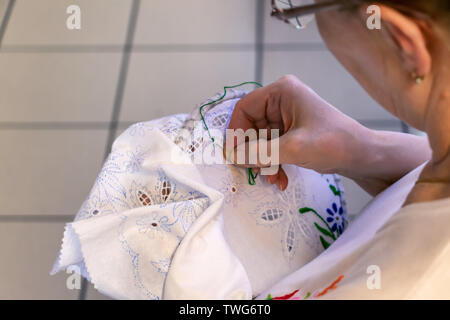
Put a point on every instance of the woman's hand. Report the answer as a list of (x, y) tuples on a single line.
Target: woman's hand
[(315, 135)]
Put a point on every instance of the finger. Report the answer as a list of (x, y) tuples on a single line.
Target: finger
[(272, 179), (261, 153), (248, 110), (280, 179), (257, 110)]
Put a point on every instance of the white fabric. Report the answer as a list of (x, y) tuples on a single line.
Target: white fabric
[(388, 252), (153, 228)]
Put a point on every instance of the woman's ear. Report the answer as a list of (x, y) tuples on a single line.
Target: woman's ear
[(409, 38)]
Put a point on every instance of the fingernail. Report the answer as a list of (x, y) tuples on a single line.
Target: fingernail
[(279, 185)]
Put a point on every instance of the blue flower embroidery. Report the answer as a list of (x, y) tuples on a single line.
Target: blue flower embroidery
[(154, 225), (336, 218), (135, 159), (140, 129)]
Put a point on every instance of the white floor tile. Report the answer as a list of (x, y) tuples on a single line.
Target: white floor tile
[(43, 22), (27, 252), (94, 294), (58, 86), (47, 172), (3, 7), (161, 84), (196, 21)]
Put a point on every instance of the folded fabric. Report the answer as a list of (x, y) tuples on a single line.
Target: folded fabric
[(390, 251), (159, 224)]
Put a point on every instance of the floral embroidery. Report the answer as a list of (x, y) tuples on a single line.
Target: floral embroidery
[(140, 129), (108, 185), (187, 211), (140, 231), (135, 159), (282, 213), (338, 191), (154, 190), (139, 196), (154, 225), (92, 207), (156, 228), (287, 296), (171, 125), (336, 218), (162, 265), (329, 233), (135, 261), (318, 293), (332, 286), (230, 187), (165, 189)]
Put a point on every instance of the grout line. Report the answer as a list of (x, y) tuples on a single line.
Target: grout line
[(62, 125), (173, 48), (259, 41), (305, 46), (62, 48), (5, 20), (54, 125), (132, 21), (36, 218), (122, 76), (198, 47)]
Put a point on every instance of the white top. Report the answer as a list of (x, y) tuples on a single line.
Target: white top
[(388, 252)]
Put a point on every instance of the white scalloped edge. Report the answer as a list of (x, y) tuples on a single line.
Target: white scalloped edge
[(57, 265), (83, 265)]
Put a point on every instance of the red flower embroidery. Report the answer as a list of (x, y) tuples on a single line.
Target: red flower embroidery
[(330, 287), (286, 297)]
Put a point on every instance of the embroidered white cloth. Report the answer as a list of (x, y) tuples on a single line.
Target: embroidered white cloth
[(388, 252), (157, 224)]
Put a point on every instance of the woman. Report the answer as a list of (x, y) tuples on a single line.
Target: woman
[(399, 247)]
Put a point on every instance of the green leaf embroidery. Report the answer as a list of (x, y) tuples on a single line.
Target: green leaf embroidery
[(324, 243), (324, 231), (335, 191), (306, 209), (269, 297), (307, 295)]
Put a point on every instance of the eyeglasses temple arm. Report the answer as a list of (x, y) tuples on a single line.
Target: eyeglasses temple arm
[(305, 10)]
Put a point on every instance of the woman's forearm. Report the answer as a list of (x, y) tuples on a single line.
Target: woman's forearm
[(381, 158)]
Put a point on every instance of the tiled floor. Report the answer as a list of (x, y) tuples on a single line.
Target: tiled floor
[(66, 94)]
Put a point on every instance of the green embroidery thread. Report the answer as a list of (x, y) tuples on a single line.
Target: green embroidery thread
[(324, 243), (329, 233), (336, 191), (251, 176), (223, 96)]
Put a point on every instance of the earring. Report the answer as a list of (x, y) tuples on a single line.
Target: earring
[(417, 79)]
